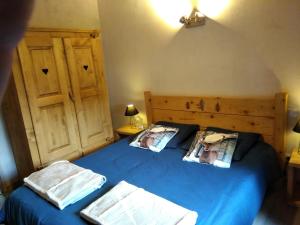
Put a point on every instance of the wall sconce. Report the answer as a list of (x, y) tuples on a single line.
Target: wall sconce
[(194, 20)]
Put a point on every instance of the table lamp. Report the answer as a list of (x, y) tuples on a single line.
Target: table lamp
[(297, 130), (131, 111)]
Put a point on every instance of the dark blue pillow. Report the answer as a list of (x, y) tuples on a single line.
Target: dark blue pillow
[(244, 143), (185, 130), (187, 143)]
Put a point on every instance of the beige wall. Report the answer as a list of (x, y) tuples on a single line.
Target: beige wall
[(65, 14), (55, 14), (251, 49)]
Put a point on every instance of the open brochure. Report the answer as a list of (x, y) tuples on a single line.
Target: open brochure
[(212, 148)]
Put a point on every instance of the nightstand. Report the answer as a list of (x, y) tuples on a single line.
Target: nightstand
[(127, 130), (293, 165)]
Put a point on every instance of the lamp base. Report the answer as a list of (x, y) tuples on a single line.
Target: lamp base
[(131, 123)]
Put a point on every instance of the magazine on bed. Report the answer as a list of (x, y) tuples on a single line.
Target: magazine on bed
[(214, 148), (155, 138)]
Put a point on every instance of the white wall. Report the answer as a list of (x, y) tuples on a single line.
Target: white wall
[(54, 14), (251, 49), (65, 14)]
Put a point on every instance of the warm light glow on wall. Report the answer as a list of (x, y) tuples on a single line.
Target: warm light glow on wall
[(213, 8), (170, 11)]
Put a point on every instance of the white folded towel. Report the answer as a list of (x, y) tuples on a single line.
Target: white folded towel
[(64, 183), (127, 204)]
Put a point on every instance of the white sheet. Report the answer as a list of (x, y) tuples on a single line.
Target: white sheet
[(127, 204), (64, 183)]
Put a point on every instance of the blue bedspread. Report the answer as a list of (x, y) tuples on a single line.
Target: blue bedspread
[(220, 196)]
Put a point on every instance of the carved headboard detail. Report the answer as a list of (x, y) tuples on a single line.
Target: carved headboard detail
[(267, 116)]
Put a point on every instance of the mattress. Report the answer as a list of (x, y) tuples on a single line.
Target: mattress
[(219, 196)]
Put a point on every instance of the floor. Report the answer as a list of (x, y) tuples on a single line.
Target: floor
[(275, 210)]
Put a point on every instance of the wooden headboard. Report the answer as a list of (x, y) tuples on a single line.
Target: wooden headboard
[(267, 116)]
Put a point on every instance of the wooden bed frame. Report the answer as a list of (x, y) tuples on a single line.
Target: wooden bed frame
[(267, 116)]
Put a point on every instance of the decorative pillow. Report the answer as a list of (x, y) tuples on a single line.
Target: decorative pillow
[(185, 130), (214, 148), (155, 138), (244, 143)]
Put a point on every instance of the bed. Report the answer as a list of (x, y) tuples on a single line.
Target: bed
[(220, 196)]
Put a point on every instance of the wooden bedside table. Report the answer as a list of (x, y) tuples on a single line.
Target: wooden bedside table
[(294, 163), (127, 130)]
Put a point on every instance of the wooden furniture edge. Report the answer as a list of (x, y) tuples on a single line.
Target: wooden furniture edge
[(18, 116), (148, 107), (293, 164), (50, 29), (8, 187), (93, 149), (281, 108), (295, 158), (62, 32), (128, 130), (276, 114)]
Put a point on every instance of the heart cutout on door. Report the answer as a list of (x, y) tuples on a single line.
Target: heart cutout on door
[(45, 71), (86, 67)]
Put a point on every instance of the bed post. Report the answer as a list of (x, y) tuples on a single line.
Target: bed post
[(148, 107), (280, 125)]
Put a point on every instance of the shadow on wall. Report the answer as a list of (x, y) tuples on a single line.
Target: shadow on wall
[(212, 60), (185, 65), (276, 40)]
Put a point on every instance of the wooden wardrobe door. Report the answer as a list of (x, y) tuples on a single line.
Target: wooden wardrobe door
[(90, 94), (45, 77)]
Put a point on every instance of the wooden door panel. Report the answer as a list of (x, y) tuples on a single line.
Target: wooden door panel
[(50, 106), (91, 98), (93, 116), (45, 73), (85, 67), (54, 119)]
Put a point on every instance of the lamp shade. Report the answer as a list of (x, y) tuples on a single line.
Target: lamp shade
[(297, 127), (131, 110)]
